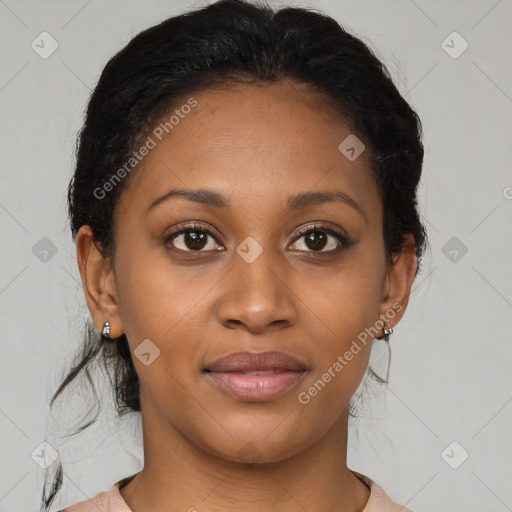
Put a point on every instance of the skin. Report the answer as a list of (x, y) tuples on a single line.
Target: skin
[(255, 145)]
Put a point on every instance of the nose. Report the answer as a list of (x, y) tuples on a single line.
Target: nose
[(256, 296)]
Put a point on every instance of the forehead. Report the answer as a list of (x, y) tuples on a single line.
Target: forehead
[(264, 140)]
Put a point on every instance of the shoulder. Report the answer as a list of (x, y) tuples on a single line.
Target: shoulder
[(106, 501), (379, 501)]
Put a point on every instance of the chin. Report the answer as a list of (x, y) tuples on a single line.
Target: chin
[(256, 450)]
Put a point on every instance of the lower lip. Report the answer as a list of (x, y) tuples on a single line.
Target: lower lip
[(255, 388)]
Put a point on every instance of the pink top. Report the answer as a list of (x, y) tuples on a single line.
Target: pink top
[(112, 501)]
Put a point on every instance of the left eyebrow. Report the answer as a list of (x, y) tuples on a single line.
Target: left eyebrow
[(323, 196), (295, 202)]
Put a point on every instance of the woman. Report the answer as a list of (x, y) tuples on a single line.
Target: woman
[(245, 215)]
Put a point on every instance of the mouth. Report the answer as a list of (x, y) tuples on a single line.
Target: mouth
[(255, 376)]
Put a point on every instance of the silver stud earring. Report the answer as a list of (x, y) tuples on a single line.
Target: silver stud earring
[(106, 330), (387, 331)]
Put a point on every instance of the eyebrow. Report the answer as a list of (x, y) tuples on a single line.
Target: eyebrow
[(294, 203)]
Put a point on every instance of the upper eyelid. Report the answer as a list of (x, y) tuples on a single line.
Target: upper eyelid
[(317, 226), (193, 226)]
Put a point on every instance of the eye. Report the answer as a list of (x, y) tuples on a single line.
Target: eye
[(193, 238), (197, 237), (316, 239)]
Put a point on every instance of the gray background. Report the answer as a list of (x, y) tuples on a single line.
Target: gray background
[(451, 376)]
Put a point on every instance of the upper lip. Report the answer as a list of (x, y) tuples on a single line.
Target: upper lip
[(252, 361)]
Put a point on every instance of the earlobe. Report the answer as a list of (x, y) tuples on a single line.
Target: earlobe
[(400, 278), (98, 282)]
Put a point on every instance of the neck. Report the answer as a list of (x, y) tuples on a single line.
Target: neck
[(178, 475)]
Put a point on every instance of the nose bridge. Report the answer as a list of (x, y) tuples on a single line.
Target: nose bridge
[(256, 294), (257, 271)]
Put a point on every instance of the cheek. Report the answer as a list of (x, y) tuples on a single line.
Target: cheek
[(163, 303), (341, 347), (345, 307), (153, 296), (347, 302)]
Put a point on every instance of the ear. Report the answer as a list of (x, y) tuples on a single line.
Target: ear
[(99, 284), (398, 283)]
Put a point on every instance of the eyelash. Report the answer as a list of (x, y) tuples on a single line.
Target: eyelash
[(342, 239)]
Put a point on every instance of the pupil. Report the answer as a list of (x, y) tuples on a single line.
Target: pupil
[(196, 239), (317, 239)]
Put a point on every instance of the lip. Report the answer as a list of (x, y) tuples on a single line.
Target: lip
[(255, 376)]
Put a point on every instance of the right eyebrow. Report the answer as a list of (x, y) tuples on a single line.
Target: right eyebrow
[(203, 196)]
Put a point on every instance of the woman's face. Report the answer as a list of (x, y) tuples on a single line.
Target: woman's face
[(255, 283)]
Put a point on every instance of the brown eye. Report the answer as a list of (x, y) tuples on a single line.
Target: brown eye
[(321, 240), (192, 238), (316, 240), (195, 240)]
